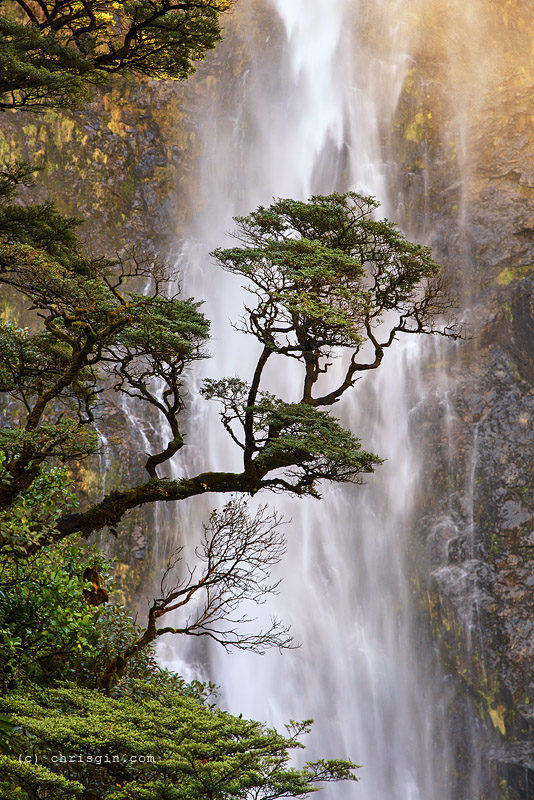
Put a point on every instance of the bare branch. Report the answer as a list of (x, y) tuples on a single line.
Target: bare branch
[(233, 565)]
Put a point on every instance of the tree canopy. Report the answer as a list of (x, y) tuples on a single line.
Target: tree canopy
[(158, 745), (52, 51)]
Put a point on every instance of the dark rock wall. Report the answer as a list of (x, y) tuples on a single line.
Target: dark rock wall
[(463, 143)]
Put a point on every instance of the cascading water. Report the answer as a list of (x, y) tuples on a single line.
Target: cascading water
[(308, 122)]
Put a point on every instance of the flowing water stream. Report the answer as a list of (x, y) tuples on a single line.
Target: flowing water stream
[(306, 118)]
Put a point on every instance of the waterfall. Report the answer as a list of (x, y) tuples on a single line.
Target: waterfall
[(304, 116)]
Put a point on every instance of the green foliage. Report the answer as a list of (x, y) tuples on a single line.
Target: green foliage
[(37, 70), (45, 623), (52, 53), (157, 328), (32, 363), (160, 745), (48, 631), (64, 439), (40, 226), (309, 284), (30, 522), (6, 730), (307, 443), (325, 271), (310, 441), (113, 631)]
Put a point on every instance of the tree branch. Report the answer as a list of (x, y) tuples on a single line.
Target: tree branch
[(234, 559)]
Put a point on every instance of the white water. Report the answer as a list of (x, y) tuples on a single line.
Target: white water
[(308, 120)]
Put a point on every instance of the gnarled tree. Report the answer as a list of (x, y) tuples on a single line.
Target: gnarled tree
[(327, 280)]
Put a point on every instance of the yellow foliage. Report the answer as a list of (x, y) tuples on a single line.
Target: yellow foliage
[(514, 274), (497, 717), (414, 131)]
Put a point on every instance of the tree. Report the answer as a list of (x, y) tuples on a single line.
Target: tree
[(327, 280), (45, 623), (47, 612), (160, 745), (326, 277), (90, 329), (53, 51), (234, 559)]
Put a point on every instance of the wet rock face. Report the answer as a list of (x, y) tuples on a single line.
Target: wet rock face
[(122, 163), (469, 190)]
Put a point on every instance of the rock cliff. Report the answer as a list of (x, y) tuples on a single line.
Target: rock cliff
[(463, 144)]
